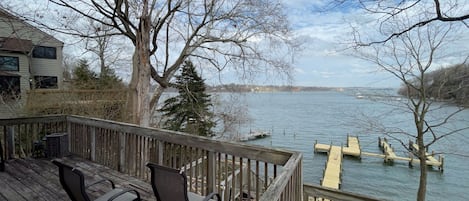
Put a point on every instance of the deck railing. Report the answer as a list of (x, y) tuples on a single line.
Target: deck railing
[(233, 169), (319, 193)]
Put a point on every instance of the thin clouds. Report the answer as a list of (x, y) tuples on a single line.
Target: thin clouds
[(327, 34)]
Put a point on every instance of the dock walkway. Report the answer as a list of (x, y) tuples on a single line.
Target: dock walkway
[(389, 154), (431, 160), (352, 149), (332, 173), (333, 170), (331, 177)]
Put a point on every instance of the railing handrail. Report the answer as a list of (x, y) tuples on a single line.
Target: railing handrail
[(317, 191), (35, 119), (276, 189), (57, 91), (271, 155)]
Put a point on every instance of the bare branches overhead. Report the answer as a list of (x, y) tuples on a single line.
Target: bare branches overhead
[(238, 34), (424, 13)]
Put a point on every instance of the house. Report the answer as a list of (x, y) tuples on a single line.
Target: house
[(29, 59)]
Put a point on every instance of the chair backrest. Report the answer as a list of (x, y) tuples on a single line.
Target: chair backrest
[(72, 181), (168, 184)]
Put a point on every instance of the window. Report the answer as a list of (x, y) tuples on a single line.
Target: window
[(45, 52), (46, 82), (9, 63), (10, 87)]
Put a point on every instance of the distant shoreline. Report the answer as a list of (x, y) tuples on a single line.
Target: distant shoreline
[(270, 88)]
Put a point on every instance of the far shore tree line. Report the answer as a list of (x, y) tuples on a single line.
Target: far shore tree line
[(449, 84)]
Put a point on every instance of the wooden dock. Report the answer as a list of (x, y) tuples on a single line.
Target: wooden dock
[(431, 160), (390, 156), (331, 177), (332, 173), (388, 151), (412, 161), (352, 149)]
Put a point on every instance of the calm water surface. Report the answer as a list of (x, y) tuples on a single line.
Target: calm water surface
[(297, 120)]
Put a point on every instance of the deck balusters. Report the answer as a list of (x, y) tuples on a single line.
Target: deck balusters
[(229, 168)]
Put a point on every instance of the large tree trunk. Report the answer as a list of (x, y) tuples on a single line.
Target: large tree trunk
[(423, 170), (155, 99), (140, 82)]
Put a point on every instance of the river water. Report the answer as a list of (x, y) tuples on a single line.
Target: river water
[(296, 120)]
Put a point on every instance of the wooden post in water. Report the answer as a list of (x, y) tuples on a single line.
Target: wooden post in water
[(441, 159), (358, 140), (314, 147), (411, 160)]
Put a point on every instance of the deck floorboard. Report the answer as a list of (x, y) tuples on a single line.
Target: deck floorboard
[(37, 179)]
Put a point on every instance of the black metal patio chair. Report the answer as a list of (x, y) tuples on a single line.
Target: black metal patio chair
[(171, 185), (73, 182)]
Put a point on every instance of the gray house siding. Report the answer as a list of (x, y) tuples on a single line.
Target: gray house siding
[(19, 39)]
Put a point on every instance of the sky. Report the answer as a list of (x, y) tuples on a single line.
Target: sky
[(323, 60)]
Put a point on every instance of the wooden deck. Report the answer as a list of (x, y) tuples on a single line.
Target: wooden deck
[(37, 179), (274, 174)]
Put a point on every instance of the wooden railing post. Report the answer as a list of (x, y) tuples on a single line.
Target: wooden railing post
[(299, 184), (211, 172), (122, 143), (93, 144), (69, 134), (2, 158), (9, 142), (160, 152)]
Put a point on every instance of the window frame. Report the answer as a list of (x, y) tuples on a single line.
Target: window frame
[(44, 52), (7, 93), (17, 60), (44, 82)]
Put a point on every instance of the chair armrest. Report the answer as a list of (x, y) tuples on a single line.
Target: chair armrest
[(209, 196), (101, 181), (123, 192)]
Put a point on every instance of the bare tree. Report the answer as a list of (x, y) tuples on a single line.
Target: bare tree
[(230, 113), (244, 35), (102, 46), (435, 11), (410, 57)]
